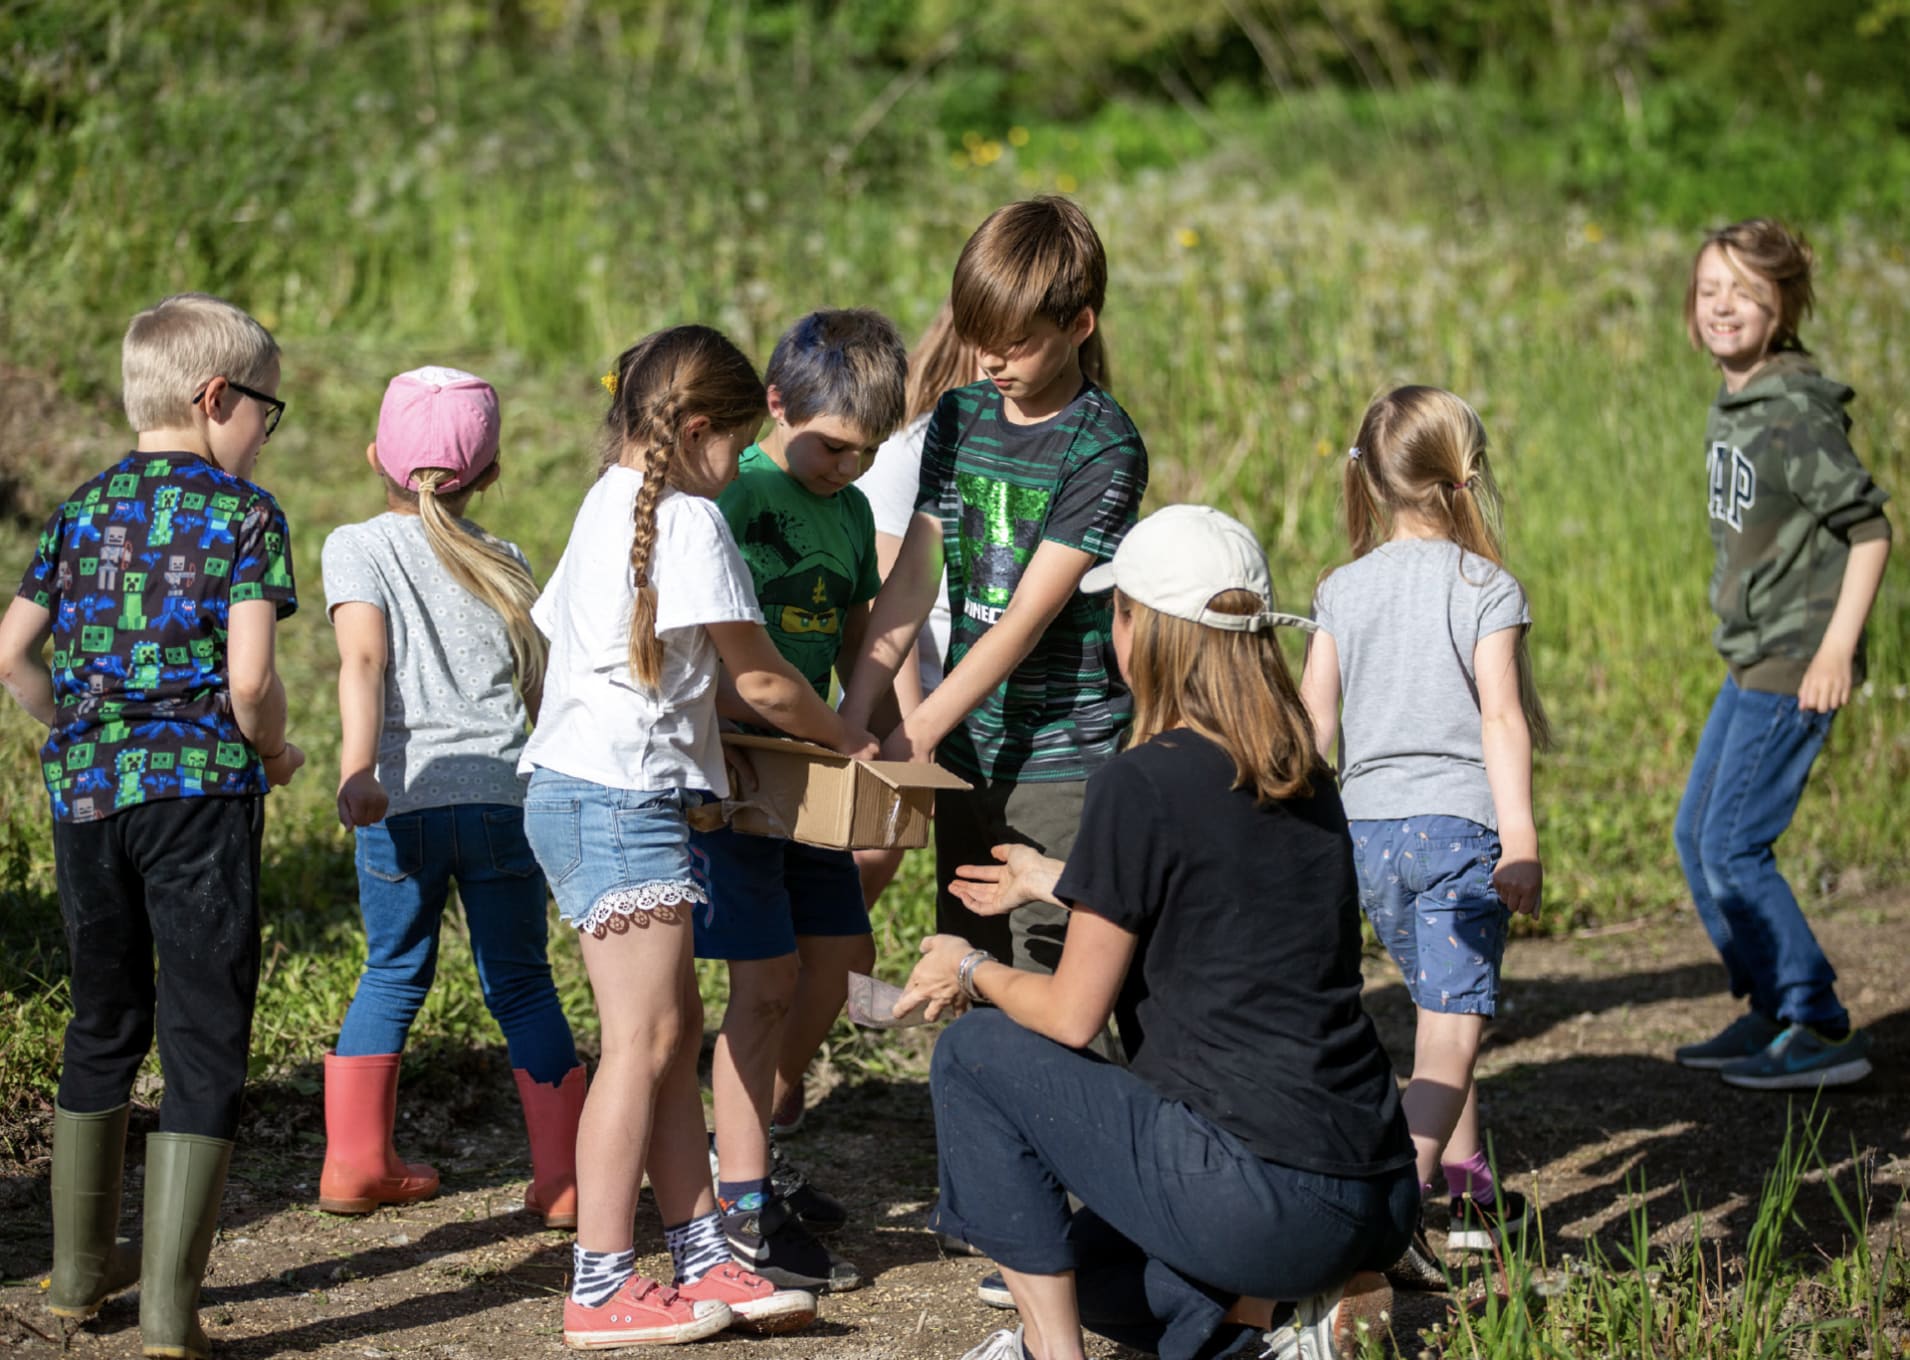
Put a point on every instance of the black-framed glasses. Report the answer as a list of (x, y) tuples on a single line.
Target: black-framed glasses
[(274, 408)]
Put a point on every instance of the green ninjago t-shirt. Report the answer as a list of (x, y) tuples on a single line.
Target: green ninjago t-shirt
[(811, 558)]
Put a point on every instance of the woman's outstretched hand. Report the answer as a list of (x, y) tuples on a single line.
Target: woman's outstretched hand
[(934, 981), (1021, 874)]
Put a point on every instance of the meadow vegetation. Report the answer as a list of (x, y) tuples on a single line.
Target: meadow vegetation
[(1302, 203)]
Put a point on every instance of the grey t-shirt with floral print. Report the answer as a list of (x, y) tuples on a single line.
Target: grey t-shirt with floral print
[(454, 722)]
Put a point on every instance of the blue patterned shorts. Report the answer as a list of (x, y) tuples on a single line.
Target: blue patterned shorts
[(1426, 885)]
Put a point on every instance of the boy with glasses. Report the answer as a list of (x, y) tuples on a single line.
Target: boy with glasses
[(160, 583)]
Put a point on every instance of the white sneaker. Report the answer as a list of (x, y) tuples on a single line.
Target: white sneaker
[(1329, 1326), (1002, 1345)]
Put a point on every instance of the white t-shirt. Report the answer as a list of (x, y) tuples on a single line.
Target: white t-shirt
[(890, 484), (453, 721), (598, 723)]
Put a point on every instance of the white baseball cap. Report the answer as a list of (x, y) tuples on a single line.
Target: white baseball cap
[(1181, 556)]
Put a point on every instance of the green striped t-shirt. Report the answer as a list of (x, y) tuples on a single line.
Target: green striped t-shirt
[(1001, 489)]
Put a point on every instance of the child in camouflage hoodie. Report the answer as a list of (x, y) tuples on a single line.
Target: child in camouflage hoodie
[(1801, 542)]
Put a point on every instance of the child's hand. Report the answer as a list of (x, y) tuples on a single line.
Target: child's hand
[(361, 800), (1519, 883), (899, 745), (281, 767), (1023, 875), (934, 979), (1826, 684), (858, 743)]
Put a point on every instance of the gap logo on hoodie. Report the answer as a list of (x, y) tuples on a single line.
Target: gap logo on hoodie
[(1733, 484)]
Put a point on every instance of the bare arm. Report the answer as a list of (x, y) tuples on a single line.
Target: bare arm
[(24, 630), (1320, 691), (362, 656), (1827, 682), (908, 594), (1507, 745), (908, 677), (258, 696), (776, 694), (1053, 575), (1071, 1007)]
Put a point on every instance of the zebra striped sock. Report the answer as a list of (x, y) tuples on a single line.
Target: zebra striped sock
[(697, 1247), (596, 1275)]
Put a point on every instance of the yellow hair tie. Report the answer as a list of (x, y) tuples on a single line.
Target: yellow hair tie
[(609, 380)]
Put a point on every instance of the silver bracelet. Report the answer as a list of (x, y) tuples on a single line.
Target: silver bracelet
[(965, 972)]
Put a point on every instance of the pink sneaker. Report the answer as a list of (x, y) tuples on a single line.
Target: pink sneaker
[(643, 1313), (759, 1306)]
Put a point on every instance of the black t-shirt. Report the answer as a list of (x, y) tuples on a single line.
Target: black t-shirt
[(1243, 1000)]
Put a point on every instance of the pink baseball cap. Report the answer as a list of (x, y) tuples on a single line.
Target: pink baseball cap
[(437, 417)]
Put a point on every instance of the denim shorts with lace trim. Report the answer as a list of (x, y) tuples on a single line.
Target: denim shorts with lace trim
[(617, 859)]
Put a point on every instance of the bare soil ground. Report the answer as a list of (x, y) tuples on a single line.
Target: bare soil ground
[(1585, 1106)]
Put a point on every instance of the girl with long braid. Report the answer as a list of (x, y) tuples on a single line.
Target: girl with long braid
[(650, 604)]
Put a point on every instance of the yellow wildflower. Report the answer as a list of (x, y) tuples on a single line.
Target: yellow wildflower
[(609, 380), (1017, 136), (1188, 238)]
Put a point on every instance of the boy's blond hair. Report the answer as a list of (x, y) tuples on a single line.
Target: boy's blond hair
[(180, 343), (1774, 259), (1041, 258)]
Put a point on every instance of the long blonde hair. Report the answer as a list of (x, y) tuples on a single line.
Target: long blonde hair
[(1233, 688), (1422, 449), (658, 386), (481, 564)]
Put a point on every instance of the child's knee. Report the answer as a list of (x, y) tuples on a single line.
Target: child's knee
[(762, 991)]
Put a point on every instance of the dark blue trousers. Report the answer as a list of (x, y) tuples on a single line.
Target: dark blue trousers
[(1179, 1218)]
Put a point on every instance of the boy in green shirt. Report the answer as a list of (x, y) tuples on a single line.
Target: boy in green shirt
[(789, 918)]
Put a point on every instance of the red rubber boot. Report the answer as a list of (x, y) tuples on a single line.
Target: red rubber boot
[(551, 1113), (362, 1171)]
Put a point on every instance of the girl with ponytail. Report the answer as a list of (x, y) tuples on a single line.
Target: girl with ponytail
[(1419, 667), (653, 623), (439, 668)]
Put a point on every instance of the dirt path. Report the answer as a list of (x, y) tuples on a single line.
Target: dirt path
[(1582, 1099)]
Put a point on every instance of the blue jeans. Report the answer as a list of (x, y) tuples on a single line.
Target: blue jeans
[(1753, 760), (405, 867), (1179, 1219)]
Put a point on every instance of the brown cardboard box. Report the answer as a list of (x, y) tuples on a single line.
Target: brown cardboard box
[(811, 794)]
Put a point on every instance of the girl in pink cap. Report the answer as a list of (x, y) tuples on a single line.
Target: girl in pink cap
[(440, 668)]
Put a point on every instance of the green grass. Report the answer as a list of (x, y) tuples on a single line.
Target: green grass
[(384, 195)]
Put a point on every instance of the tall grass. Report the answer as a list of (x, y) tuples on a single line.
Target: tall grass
[(387, 196), (1686, 1300)]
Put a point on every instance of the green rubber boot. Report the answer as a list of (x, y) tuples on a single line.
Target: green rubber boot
[(90, 1260), (185, 1180)]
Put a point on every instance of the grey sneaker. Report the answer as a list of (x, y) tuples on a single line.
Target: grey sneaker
[(1329, 1326), (1002, 1345), (1801, 1059), (1745, 1037), (1418, 1267)]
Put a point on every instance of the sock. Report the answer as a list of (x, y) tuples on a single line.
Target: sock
[(1835, 1031), (1425, 1190), (743, 1195), (596, 1275), (1471, 1178), (697, 1247)]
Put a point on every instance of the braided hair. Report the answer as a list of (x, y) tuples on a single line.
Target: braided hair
[(663, 382)]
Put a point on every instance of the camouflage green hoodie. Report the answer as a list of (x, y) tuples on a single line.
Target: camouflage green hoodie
[(1787, 499)]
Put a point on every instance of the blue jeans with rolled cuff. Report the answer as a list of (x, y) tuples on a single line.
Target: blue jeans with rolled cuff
[(1179, 1219), (1754, 758), (406, 865)]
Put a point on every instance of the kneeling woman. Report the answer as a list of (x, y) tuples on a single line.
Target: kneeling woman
[(1249, 1166)]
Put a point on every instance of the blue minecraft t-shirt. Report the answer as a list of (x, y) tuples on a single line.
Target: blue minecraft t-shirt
[(140, 568)]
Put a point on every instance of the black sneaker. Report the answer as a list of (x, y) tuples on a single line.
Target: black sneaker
[(992, 1290), (773, 1242), (1418, 1267), (820, 1212), (1477, 1227)]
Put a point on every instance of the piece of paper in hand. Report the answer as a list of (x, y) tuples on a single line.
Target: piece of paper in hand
[(872, 1003)]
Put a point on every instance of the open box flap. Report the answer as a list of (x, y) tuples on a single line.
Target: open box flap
[(914, 774)]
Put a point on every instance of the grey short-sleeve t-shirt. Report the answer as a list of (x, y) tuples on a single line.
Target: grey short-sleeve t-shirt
[(1405, 619), (454, 722)]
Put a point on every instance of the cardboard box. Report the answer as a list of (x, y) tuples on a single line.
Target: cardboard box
[(811, 794)]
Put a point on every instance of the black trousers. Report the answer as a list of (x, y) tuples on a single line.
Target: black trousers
[(177, 878)]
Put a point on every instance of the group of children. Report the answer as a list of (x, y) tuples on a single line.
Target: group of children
[(712, 578)]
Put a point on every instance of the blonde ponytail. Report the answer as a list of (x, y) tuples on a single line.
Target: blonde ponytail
[(489, 571)]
